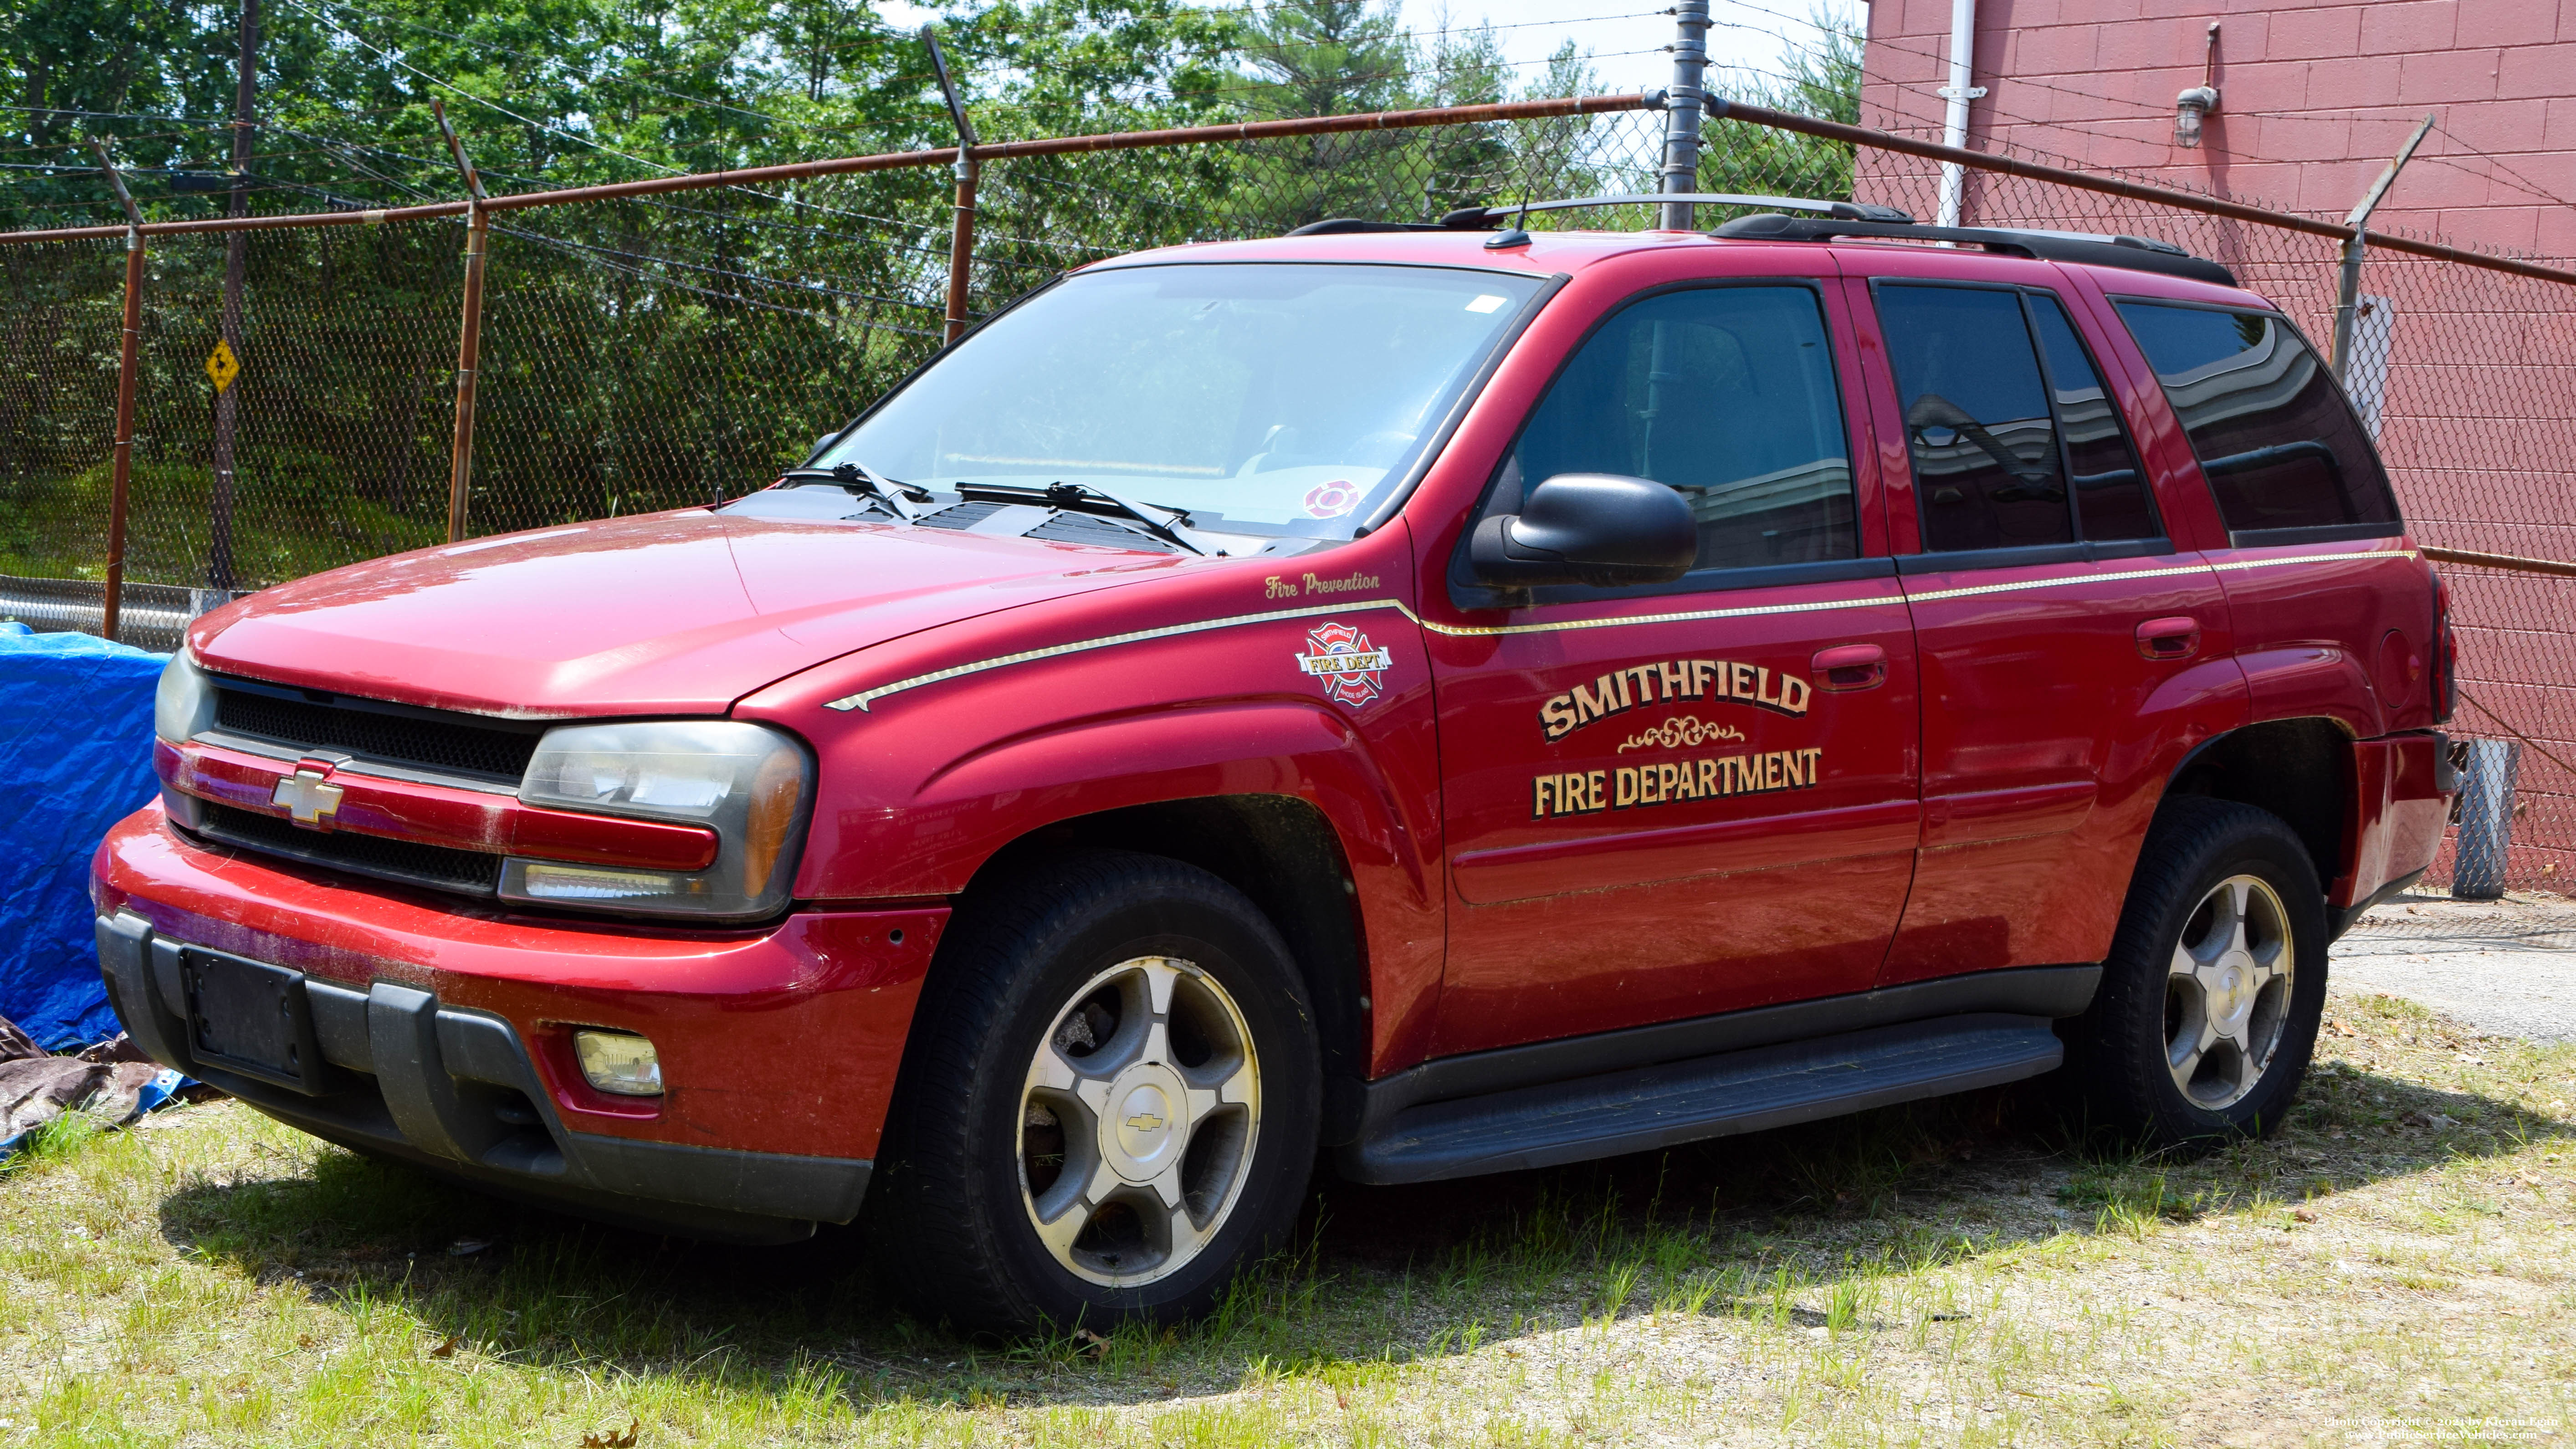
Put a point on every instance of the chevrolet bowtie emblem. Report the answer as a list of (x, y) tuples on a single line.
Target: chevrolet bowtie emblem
[(308, 797), (1146, 1122)]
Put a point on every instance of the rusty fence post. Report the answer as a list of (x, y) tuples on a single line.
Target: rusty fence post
[(469, 342), (961, 238), (2348, 276), (121, 469), (961, 244)]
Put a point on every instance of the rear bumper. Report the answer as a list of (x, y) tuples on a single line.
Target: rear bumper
[(441, 1034)]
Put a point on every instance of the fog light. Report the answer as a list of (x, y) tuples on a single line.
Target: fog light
[(619, 1062)]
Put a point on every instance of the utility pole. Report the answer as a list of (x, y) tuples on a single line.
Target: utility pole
[(219, 563), (469, 341), (1684, 102), (121, 455), (2348, 286)]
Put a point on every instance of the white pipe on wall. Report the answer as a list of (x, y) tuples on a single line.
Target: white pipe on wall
[(1954, 123)]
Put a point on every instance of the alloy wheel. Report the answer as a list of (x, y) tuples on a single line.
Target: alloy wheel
[(1138, 1120), (2227, 992)]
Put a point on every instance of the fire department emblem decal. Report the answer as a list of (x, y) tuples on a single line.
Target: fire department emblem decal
[(1350, 668)]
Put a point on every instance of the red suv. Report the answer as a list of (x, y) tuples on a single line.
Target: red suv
[(1461, 700)]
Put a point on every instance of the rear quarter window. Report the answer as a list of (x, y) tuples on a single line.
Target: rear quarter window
[(2274, 434)]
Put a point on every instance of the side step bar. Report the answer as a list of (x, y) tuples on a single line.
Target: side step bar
[(1640, 1109)]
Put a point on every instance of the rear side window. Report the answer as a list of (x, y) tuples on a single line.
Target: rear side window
[(2275, 436), (2004, 410), (1727, 396)]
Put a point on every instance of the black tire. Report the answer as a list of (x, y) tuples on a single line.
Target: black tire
[(2121, 1052), (949, 1215)]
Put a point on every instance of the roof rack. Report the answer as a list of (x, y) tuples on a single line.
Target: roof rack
[(1471, 217), (1836, 219), (2134, 253), (1482, 218)]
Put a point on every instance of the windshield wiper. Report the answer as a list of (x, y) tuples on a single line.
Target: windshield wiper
[(897, 497), (1169, 524)]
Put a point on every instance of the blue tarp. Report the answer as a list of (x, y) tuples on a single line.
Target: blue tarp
[(75, 758)]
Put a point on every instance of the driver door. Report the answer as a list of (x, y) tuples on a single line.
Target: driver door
[(1679, 799)]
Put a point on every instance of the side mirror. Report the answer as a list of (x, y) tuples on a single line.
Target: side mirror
[(1588, 528)]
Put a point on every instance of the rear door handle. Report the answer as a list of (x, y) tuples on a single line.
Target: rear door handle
[(1850, 666), (2175, 637)]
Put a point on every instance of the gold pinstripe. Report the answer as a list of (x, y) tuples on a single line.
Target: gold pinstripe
[(867, 697)]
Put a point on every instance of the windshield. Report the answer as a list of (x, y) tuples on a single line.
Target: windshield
[(1279, 397)]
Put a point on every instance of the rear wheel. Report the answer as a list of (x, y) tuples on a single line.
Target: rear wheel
[(2208, 1010), (1108, 1106)]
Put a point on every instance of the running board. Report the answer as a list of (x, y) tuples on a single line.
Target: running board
[(1640, 1109)]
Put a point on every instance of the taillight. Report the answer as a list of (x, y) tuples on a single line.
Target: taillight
[(2445, 653)]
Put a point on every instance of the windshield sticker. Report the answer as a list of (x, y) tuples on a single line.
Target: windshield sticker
[(1709, 777), (1350, 668), (1688, 729), (1668, 683), (1332, 500)]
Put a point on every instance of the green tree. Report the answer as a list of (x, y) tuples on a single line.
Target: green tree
[(1822, 80)]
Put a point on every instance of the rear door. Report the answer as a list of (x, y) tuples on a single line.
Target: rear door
[(2065, 644), (1671, 801)]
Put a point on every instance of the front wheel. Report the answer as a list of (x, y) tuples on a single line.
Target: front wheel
[(1109, 1105), (2210, 999)]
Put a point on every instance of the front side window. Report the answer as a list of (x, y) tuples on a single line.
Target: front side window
[(2275, 437), (1726, 395), (1288, 398)]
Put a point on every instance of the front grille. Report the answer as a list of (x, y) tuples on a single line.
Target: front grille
[(407, 861), (432, 743)]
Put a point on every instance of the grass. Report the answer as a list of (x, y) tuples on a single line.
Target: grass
[(298, 513), (2394, 1267)]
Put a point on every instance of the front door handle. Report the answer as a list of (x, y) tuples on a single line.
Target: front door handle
[(1850, 666), (2176, 637)]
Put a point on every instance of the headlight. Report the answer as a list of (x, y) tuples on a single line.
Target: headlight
[(184, 703), (752, 784)]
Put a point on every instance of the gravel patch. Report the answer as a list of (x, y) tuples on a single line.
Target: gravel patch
[(2507, 968)]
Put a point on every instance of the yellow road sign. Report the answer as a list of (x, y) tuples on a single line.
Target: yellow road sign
[(221, 365)]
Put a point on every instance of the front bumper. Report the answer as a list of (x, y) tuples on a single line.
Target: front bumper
[(442, 1036)]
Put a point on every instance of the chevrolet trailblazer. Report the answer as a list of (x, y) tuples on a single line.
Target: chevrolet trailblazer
[(1445, 699)]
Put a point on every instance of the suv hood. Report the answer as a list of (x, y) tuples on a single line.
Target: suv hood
[(677, 613)]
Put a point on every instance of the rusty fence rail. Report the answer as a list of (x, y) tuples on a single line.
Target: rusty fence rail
[(530, 357)]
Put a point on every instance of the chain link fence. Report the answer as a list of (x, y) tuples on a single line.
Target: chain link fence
[(652, 349)]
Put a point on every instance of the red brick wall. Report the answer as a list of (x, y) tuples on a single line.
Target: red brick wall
[(2314, 99)]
